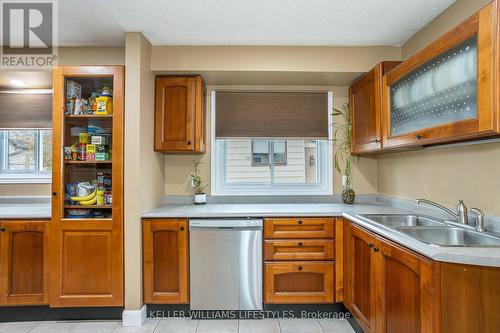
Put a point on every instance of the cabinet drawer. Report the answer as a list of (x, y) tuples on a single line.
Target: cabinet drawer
[(299, 282), (299, 249), (309, 227)]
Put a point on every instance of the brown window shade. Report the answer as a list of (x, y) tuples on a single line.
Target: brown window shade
[(271, 114), (23, 110)]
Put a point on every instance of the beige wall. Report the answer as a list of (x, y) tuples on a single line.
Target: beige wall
[(144, 169), (448, 174), (178, 167)]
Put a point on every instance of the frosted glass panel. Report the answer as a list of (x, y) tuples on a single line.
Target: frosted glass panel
[(442, 91)]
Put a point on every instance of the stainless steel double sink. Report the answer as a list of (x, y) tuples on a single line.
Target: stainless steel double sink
[(434, 231)]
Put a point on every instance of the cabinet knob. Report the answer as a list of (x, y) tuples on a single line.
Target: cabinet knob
[(182, 228), (377, 140), (300, 268), (189, 142), (54, 193), (376, 249), (300, 244), (371, 245), (419, 137), (299, 221), (2, 229)]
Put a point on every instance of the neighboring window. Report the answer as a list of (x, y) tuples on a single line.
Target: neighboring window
[(250, 158), (262, 150), (25, 155)]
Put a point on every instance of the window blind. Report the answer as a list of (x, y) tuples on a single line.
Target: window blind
[(271, 114), (25, 110)]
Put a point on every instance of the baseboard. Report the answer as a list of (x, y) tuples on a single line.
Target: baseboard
[(134, 318)]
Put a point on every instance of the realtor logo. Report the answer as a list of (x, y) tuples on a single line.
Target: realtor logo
[(29, 34)]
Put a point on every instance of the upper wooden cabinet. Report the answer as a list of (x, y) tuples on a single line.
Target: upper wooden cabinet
[(445, 92), (165, 255), (365, 108), (180, 114), (390, 289), (24, 273)]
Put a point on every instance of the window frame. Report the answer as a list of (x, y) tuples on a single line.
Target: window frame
[(270, 152), (27, 177), (219, 187)]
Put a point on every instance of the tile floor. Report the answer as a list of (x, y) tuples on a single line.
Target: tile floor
[(185, 326)]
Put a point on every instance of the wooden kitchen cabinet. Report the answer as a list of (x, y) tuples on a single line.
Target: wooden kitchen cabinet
[(180, 114), (446, 92), (299, 282), (389, 288), (165, 261), (24, 270), (365, 102), (360, 276), (407, 291), (302, 249), (86, 241)]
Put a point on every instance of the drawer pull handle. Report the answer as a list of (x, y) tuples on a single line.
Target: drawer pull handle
[(300, 244), (300, 268), (182, 228), (299, 221)]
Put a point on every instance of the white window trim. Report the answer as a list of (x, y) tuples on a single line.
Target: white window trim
[(326, 188), (28, 178)]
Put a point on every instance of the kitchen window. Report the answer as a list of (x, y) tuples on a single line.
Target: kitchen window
[(25, 136), (257, 152), (25, 155)]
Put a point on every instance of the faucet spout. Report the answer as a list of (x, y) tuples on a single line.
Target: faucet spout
[(443, 208)]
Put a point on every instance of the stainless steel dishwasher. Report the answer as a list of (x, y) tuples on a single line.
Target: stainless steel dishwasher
[(225, 264)]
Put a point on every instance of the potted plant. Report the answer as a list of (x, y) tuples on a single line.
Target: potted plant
[(200, 197), (342, 130)]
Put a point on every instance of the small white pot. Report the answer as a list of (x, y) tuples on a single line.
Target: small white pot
[(200, 199)]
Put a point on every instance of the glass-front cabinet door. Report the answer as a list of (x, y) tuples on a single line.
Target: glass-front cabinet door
[(444, 92)]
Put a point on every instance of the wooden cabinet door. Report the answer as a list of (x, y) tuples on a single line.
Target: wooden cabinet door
[(24, 263), (165, 246), (299, 282), (365, 109), (360, 285), (407, 295), (449, 99), (307, 227), (179, 114)]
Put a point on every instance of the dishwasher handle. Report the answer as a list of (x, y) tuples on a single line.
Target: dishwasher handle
[(229, 224)]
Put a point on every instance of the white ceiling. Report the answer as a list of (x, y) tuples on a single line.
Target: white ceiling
[(246, 22)]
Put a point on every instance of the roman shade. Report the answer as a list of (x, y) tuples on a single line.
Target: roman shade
[(271, 114), (25, 110)]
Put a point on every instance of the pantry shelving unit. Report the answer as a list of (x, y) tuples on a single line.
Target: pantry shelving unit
[(86, 241)]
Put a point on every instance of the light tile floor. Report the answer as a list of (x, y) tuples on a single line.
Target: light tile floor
[(185, 326)]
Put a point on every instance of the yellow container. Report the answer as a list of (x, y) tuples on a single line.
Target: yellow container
[(104, 105)]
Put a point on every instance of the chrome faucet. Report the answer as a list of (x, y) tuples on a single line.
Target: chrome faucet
[(461, 216), (480, 225)]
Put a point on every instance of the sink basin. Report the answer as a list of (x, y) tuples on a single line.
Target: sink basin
[(402, 220), (450, 236)]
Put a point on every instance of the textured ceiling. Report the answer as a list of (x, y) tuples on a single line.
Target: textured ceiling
[(250, 22)]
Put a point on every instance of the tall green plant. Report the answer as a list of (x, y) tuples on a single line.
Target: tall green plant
[(342, 130), (199, 185)]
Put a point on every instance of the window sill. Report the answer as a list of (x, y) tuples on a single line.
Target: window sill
[(25, 179)]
